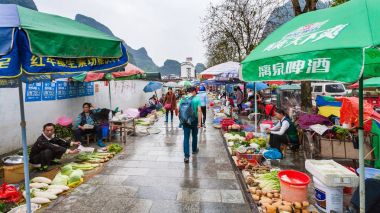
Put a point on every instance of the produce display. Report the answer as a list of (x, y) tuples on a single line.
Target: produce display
[(43, 190), (94, 157), (262, 182)]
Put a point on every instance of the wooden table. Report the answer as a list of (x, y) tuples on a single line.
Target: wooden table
[(124, 126)]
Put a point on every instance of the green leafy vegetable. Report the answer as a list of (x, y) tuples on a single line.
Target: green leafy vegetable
[(116, 148)]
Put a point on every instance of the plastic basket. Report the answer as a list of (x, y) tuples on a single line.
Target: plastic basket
[(249, 157)]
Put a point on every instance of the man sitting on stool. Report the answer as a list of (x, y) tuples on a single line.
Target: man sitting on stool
[(87, 117), (47, 147)]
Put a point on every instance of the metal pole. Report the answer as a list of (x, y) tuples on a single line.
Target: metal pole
[(255, 109), (24, 146), (361, 148), (109, 94)]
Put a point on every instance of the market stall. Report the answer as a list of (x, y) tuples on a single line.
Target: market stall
[(323, 46), (35, 52)]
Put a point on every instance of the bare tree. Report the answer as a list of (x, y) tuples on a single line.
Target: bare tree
[(233, 28)]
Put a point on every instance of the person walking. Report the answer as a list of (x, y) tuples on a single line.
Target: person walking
[(239, 98), (204, 100), (190, 116), (170, 104)]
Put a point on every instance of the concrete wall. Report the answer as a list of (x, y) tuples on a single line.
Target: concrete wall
[(125, 94)]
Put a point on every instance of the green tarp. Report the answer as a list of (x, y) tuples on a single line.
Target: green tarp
[(56, 36)]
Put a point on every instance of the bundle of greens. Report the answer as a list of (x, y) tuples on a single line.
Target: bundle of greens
[(269, 181), (115, 148)]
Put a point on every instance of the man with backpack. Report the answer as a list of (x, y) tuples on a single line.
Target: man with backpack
[(190, 116)]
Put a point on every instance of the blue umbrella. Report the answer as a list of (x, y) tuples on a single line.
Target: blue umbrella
[(152, 86), (259, 86)]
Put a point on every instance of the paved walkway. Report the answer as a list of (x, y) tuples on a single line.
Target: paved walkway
[(150, 176)]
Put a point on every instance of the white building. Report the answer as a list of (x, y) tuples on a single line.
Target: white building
[(188, 69)]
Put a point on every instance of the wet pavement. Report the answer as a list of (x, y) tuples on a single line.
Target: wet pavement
[(150, 176)]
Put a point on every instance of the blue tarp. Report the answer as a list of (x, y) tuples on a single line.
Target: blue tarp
[(321, 101)]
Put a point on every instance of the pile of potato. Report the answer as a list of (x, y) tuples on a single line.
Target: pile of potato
[(271, 201)]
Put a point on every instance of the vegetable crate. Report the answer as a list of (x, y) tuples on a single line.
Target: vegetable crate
[(250, 157)]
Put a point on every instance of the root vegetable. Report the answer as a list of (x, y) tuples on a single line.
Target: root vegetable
[(39, 200), (54, 191), (269, 195), (276, 195), (297, 205), (265, 200), (286, 203), (47, 195), (277, 203), (250, 180), (305, 211), (285, 208), (259, 192), (305, 204), (256, 197), (271, 209), (252, 190), (41, 180), (38, 185), (64, 188)]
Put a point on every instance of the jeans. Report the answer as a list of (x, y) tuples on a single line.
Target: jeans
[(78, 133), (171, 115), (187, 129), (203, 108)]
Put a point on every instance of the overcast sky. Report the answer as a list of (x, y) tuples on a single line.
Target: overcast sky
[(168, 29)]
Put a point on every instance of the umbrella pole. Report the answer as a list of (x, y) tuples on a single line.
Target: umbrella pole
[(255, 109), (24, 146), (361, 148), (109, 94)]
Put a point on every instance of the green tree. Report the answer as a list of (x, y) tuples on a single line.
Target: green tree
[(232, 28)]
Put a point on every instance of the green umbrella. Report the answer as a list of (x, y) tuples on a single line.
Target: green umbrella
[(184, 84), (368, 83), (338, 44)]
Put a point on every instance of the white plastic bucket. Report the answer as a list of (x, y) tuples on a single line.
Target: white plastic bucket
[(327, 198)]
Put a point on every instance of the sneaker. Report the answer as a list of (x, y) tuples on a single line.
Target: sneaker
[(186, 160), (196, 151), (166, 121)]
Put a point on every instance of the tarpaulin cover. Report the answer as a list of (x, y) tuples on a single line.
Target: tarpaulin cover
[(93, 76), (376, 142), (307, 120), (129, 70), (327, 101), (349, 113), (327, 111)]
